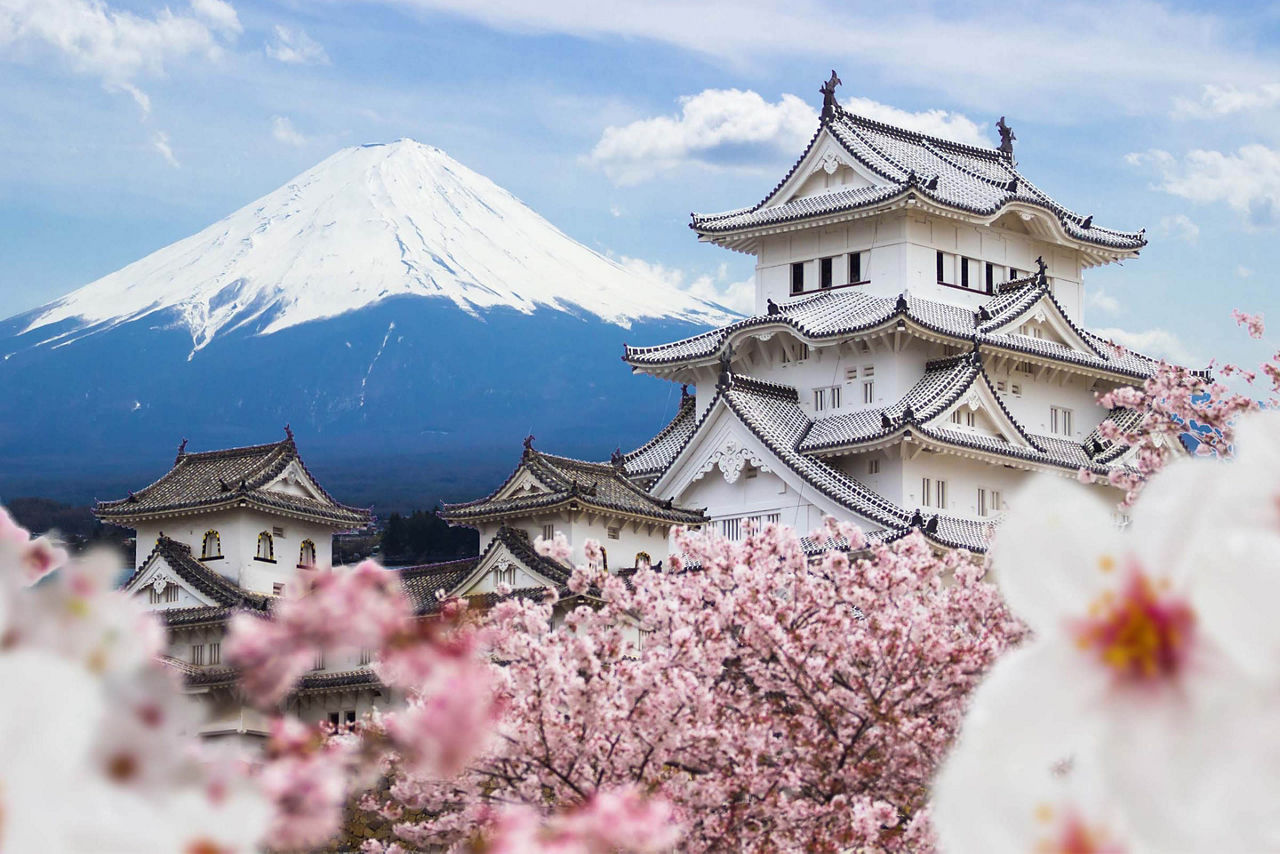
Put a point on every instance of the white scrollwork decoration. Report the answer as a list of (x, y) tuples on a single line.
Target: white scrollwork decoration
[(731, 458), (159, 583)]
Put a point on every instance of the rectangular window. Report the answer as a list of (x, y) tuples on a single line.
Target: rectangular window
[(964, 271), (318, 664), (819, 399), (802, 352), (797, 277), (996, 504), (615, 533), (197, 653), (957, 416), (366, 656), (942, 265), (868, 391), (1013, 274), (731, 529), (277, 532), (1016, 388), (824, 272), (982, 501), (851, 373), (940, 493), (868, 370), (335, 718), (171, 593), (1000, 385), (1059, 421), (873, 467), (991, 278), (350, 717), (215, 652), (835, 397), (926, 492), (548, 532), (855, 267), (277, 589)]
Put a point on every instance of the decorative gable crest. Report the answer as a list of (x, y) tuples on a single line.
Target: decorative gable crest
[(731, 458)]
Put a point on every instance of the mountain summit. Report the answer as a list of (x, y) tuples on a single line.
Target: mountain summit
[(368, 223), (411, 319)]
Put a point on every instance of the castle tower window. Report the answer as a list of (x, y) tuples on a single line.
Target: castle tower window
[(215, 652), (797, 277), (211, 547), (548, 532), (197, 653), (643, 560), (855, 267), (824, 273), (868, 391), (1059, 421), (964, 272), (615, 532), (819, 399), (307, 554), (266, 548), (991, 278), (873, 467)]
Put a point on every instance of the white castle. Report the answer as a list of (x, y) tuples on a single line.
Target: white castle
[(917, 352)]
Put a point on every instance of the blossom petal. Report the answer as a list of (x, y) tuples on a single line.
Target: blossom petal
[(1046, 553)]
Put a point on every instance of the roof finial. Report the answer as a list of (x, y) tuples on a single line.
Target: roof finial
[(828, 91), (616, 458), (1006, 137), (1042, 267), (684, 392), (726, 368), (773, 307), (528, 442), (182, 450), (288, 431)]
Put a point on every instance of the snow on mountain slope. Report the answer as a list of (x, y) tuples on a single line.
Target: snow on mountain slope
[(368, 223)]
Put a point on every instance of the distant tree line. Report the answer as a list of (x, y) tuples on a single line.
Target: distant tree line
[(423, 537), (72, 524)]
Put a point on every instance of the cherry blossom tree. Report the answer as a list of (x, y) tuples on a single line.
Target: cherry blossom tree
[(774, 701)]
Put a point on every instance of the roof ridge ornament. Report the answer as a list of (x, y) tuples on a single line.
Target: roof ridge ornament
[(528, 444), (616, 458), (288, 432), (1087, 222), (828, 90), (1007, 137), (773, 307), (182, 450), (726, 368), (1041, 268)]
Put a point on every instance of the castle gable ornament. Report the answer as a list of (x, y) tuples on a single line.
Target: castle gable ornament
[(731, 458)]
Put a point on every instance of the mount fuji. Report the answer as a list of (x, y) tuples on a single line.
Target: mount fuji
[(411, 319)]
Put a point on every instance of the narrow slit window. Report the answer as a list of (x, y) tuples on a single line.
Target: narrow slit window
[(991, 278), (819, 399), (868, 391), (855, 267), (873, 467), (824, 273), (963, 263), (797, 277)]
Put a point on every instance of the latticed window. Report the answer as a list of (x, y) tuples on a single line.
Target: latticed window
[(212, 545), (266, 547), (197, 653), (215, 652), (307, 554)]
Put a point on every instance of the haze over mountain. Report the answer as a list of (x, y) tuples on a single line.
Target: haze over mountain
[(408, 316)]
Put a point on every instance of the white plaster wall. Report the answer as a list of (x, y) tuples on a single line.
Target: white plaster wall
[(1031, 408), (762, 494), (963, 477), (901, 256)]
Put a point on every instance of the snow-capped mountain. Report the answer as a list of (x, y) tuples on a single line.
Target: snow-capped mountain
[(366, 224), (405, 314)]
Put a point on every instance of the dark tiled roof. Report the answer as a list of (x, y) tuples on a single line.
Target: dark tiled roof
[(424, 581), (603, 486), (654, 456), (837, 313), (980, 181), (205, 579), (772, 412), (235, 477)]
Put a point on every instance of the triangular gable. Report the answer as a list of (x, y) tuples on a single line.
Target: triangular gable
[(723, 447), (157, 574), (523, 481), (1045, 319), (826, 165), (981, 402), (296, 480), (484, 578)]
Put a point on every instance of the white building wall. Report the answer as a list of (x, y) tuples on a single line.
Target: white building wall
[(900, 254), (759, 495)]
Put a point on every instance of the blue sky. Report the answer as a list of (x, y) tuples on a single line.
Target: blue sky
[(127, 124)]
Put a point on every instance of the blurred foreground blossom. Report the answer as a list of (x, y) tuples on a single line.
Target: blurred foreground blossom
[(1141, 716)]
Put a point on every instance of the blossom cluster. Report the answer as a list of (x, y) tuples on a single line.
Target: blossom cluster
[(762, 697), (98, 754)]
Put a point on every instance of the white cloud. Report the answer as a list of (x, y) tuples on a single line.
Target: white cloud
[(1243, 272), (1248, 180), (726, 128), (160, 142), (115, 46), (1224, 100), (296, 47), (1102, 301), (283, 131), (1180, 227), (1179, 50), (735, 296), (1158, 343)]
